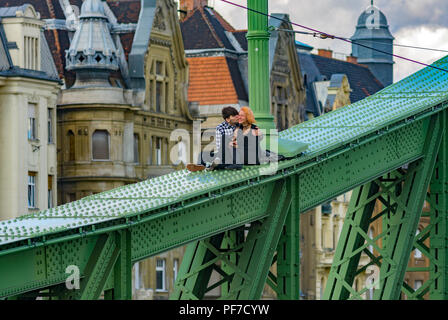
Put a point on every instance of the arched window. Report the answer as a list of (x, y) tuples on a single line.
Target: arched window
[(71, 144), (100, 145)]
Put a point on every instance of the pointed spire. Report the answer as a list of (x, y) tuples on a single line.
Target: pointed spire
[(92, 48)]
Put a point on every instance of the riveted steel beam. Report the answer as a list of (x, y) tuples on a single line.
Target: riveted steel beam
[(405, 195), (287, 281), (258, 251), (99, 267), (242, 264), (399, 243), (438, 202)]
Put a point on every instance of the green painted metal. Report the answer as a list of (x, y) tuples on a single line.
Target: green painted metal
[(246, 264), (348, 148), (405, 222), (407, 193), (258, 57), (98, 268), (122, 274), (287, 281), (257, 254), (438, 228)]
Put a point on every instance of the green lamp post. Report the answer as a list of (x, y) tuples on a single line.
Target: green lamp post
[(259, 76)]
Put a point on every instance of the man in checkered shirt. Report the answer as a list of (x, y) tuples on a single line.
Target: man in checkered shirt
[(223, 136)]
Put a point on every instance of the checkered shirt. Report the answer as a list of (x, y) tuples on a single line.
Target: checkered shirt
[(223, 129)]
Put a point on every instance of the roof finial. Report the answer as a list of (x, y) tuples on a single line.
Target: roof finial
[(371, 2)]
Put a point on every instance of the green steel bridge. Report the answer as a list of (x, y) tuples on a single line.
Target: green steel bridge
[(391, 147)]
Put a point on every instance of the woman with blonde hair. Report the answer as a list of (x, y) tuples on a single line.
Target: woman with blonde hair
[(246, 138)]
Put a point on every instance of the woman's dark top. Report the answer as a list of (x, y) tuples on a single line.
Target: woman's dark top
[(248, 150)]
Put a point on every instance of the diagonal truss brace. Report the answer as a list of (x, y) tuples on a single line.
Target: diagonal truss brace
[(405, 196), (244, 267)]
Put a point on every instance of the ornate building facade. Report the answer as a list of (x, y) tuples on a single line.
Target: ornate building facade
[(217, 54), (113, 134), (122, 114), (29, 86)]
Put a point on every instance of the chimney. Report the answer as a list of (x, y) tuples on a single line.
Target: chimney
[(189, 5), (325, 53), (352, 59)]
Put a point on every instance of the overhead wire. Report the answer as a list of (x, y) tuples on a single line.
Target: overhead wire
[(315, 34), (324, 35)]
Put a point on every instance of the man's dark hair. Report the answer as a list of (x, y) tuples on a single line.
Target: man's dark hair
[(229, 111)]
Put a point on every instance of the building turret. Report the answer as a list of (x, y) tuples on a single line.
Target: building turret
[(92, 53), (372, 31)]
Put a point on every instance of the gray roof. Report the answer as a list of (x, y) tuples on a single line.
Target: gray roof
[(140, 43), (6, 12), (47, 62), (5, 58), (92, 46), (274, 34), (7, 68)]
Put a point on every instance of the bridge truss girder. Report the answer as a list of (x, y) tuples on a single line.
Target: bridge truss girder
[(243, 262), (402, 192), (39, 264)]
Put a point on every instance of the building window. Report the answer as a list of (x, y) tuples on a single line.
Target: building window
[(100, 145), (160, 275), (159, 67), (50, 192), (158, 96), (137, 278), (279, 118), (417, 284), (159, 86), (136, 148), (182, 152), (50, 126), (158, 151), (71, 197), (150, 160), (71, 143), (175, 270), (32, 125), (335, 234), (417, 253), (31, 190), (322, 288)]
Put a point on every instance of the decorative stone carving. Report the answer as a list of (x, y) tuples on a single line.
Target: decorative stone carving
[(33, 98), (159, 20)]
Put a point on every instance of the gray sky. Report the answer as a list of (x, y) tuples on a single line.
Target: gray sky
[(412, 22)]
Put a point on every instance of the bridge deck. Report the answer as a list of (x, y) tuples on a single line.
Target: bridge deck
[(413, 96)]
